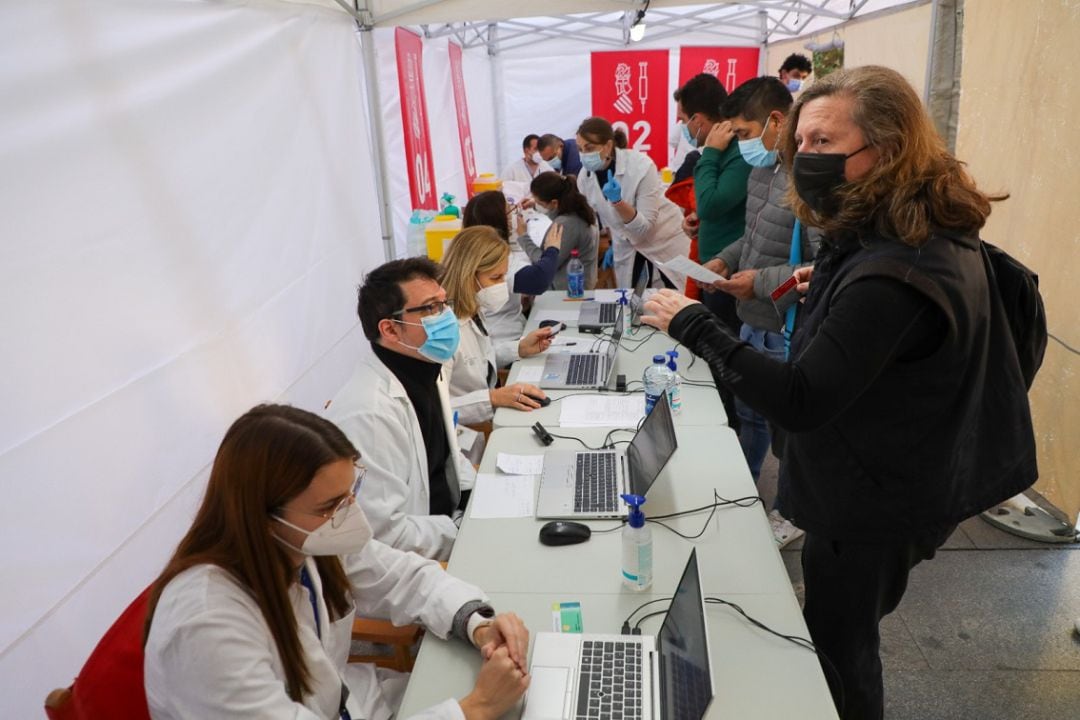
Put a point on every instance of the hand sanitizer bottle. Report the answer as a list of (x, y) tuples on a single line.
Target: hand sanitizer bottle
[(636, 547)]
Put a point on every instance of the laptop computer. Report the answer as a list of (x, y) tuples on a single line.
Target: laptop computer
[(590, 676), (588, 483), (582, 370), (594, 316)]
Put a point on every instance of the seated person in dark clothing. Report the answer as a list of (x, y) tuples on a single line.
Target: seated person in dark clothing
[(396, 410)]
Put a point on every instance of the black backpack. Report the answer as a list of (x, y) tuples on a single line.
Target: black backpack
[(1018, 289)]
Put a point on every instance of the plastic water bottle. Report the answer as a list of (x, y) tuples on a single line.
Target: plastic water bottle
[(575, 276), (636, 547), (657, 378), (675, 391), (416, 238)]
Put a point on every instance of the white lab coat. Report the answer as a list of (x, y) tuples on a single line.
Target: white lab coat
[(476, 361), (519, 171), (655, 232), (210, 653), (374, 412)]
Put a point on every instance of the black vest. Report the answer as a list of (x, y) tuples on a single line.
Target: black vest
[(931, 442)]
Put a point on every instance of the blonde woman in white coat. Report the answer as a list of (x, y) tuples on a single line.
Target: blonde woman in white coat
[(252, 616), (474, 275), (623, 187)]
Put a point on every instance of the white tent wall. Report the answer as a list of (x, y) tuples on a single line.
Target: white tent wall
[(1018, 132), (187, 203), (897, 38)]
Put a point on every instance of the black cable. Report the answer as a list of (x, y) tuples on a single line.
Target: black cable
[(643, 618), (1063, 344), (718, 502), (571, 437), (643, 605), (793, 639)]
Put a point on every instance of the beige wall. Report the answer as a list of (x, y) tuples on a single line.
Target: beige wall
[(1018, 131), (899, 40)]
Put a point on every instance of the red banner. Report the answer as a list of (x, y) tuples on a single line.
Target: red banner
[(630, 89), (414, 119), (731, 65), (468, 159)]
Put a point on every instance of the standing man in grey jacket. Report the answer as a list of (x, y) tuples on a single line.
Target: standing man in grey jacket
[(759, 261)]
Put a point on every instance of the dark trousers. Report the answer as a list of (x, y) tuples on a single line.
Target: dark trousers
[(723, 306), (849, 588)]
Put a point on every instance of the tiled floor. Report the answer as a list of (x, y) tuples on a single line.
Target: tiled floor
[(985, 630)]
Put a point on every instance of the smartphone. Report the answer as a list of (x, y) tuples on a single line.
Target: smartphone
[(784, 288)]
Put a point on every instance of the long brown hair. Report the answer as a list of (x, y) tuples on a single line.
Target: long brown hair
[(268, 456), (474, 250), (916, 185), (488, 208)]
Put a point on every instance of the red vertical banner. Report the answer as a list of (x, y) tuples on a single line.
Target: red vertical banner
[(414, 119), (732, 66), (630, 89), (468, 159)]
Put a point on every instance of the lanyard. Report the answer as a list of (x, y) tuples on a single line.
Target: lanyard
[(794, 259), (305, 580)]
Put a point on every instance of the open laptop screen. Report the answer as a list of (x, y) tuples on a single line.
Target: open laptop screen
[(685, 675), (651, 448)]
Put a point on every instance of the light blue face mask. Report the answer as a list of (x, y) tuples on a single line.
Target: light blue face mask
[(592, 161), (686, 134), (556, 163), (754, 152), (443, 336), (794, 85)]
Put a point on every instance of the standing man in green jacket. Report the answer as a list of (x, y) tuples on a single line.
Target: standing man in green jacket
[(720, 177)]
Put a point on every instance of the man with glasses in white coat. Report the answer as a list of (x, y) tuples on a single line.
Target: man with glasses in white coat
[(396, 410)]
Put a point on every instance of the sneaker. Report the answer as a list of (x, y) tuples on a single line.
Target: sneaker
[(783, 531)]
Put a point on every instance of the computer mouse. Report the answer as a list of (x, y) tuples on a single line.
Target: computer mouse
[(560, 532), (544, 401), (549, 323), (1078, 626)]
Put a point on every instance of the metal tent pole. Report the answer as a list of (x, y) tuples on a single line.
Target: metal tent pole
[(378, 147)]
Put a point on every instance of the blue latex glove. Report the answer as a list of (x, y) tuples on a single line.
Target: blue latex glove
[(612, 190), (609, 259)]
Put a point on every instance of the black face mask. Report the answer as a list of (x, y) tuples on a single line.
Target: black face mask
[(817, 175)]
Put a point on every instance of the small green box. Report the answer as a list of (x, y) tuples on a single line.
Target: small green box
[(566, 617)]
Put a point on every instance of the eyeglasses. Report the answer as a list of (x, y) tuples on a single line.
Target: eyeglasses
[(341, 510), (433, 308)]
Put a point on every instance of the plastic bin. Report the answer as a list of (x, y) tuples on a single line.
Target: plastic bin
[(439, 232), (486, 181)]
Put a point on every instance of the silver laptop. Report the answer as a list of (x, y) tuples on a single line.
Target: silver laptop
[(582, 370), (628, 677), (589, 484), (594, 316)]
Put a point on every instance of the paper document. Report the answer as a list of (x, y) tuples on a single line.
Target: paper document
[(624, 411), (520, 464), (607, 295), (688, 267), (502, 496), (529, 374)]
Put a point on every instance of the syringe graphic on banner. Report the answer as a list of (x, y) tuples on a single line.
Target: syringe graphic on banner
[(729, 83), (623, 103), (643, 83)]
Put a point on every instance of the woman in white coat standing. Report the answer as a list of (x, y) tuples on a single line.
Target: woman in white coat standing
[(623, 187), (252, 616), (474, 274)]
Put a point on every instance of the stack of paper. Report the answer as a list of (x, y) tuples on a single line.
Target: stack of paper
[(502, 496), (623, 411)]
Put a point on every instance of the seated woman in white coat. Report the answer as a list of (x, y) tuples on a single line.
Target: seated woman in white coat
[(474, 275), (253, 613), (623, 187)]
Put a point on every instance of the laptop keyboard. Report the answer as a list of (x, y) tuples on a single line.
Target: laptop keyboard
[(609, 687), (608, 313), (595, 483), (582, 369), (690, 686)]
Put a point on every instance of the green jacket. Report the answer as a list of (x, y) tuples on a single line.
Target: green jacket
[(720, 190)]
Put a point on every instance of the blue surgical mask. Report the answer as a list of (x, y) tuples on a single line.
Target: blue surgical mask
[(556, 163), (794, 85), (689, 137), (754, 152), (443, 336), (592, 161)]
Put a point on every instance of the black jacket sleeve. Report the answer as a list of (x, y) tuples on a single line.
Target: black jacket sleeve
[(871, 323), (535, 279)]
